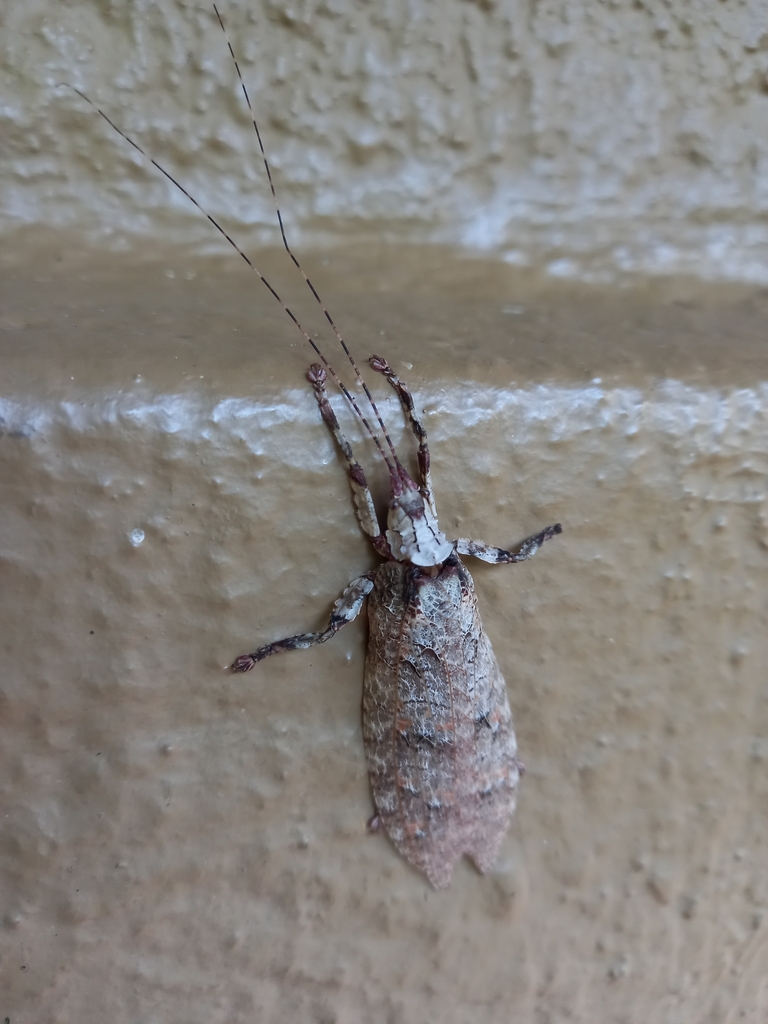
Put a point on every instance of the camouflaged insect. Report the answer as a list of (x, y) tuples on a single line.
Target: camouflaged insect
[(438, 734), (439, 742)]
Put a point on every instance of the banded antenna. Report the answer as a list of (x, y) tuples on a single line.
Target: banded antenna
[(290, 252), (315, 347)]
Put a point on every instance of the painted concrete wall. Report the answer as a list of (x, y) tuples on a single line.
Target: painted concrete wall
[(593, 138), (178, 843), (181, 844)]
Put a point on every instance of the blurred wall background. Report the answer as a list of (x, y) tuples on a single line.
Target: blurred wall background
[(180, 844), (589, 138)]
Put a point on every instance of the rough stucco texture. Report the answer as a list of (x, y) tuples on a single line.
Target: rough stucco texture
[(179, 844), (591, 138)]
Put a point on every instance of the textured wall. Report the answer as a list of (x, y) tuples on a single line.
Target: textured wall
[(179, 844), (590, 137)]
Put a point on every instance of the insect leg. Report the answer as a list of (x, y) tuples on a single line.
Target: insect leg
[(498, 556), (381, 365), (345, 610), (361, 495)]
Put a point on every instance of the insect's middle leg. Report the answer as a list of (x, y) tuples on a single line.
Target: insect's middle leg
[(497, 556), (344, 611), (381, 365), (361, 495)]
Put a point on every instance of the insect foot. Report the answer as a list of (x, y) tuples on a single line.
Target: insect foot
[(316, 375), (345, 610), (244, 663), (497, 556)]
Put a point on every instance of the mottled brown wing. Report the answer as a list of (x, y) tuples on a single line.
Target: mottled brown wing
[(436, 721)]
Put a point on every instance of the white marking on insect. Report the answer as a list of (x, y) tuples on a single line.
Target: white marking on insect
[(437, 727)]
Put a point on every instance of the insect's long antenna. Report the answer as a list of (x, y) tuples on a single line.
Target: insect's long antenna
[(342, 386), (290, 252)]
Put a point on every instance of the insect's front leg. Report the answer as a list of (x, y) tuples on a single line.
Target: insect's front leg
[(498, 556), (361, 494), (345, 610), (381, 365)]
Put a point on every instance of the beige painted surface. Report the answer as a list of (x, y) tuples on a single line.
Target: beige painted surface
[(183, 845), (178, 844), (593, 138)]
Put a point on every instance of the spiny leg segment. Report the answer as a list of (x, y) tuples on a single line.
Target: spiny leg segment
[(345, 610), (361, 494), (349, 604), (498, 556), (380, 365)]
